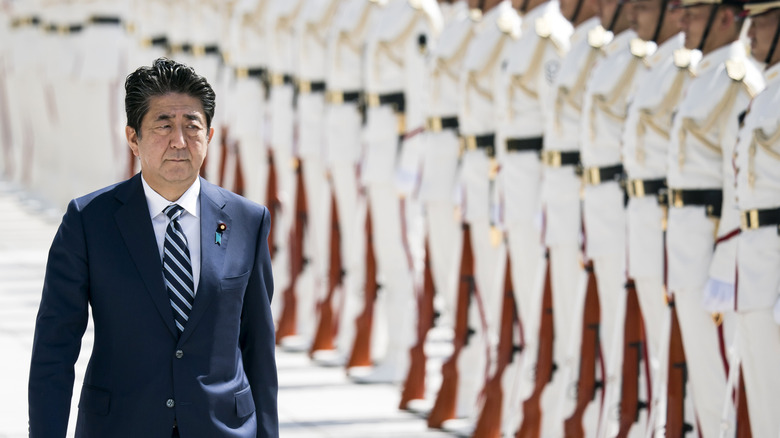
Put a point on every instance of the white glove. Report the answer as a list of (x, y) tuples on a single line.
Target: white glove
[(718, 296)]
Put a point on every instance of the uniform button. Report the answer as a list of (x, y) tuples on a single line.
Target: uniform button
[(179, 354), (170, 403)]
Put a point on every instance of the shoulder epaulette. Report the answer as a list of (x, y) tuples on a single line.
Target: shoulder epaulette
[(597, 37), (682, 58)]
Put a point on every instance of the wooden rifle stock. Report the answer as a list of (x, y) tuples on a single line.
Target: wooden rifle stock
[(532, 412), (489, 422), (444, 406), (238, 183), (326, 329), (288, 318), (743, 417), (223, 154), (630, 404), (272, 199), (678, 376), (360, 355), (414, 385), (589, 353)]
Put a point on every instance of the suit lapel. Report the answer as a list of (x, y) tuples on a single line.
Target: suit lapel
[(135, 226), (212, 255)]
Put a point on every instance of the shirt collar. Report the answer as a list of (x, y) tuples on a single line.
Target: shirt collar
[(581, 31), (772, 74), (666, 50), (188, 201), (719, 56), (620, 41)]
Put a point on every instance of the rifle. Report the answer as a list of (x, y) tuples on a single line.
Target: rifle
[(414, 385), (272, 199), (743, 417), (532, 412), (223, 155), (326, 329), (238, 181), (676, 380), (288, 317), (489, 422), (589, 354), (633, 340), (360, 355), (444, 406)]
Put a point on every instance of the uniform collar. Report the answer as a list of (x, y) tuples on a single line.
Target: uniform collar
[(719, 56), (188, 201), (529, 19), (620, 41), (581, 31), (666, 50), (772, 74), (502, 11)]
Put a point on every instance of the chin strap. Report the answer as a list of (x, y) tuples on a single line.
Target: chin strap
[(664, 5), (713, 11), (774, 44), (523, 6), (576, 11), (615, 16), (481, 5)]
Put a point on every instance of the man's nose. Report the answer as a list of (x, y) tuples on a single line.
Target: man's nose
[(177, 137)]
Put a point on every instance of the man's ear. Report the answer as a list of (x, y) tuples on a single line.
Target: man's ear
[(132, 140), (211, 134)]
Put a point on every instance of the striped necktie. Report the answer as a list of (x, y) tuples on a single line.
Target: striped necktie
[(177, 268)]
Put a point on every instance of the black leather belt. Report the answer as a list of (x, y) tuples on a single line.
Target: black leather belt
[(251, 72), (305, 87), (160, 41), (338, 97), (277, 79), (438, 124), (524, 144), (711, 199), (63, 29), (397, 100), (199, 50), (101, 19), (560, 158), (25, 21), (474, 142), (753, 219), (598, 175), (639, 188)]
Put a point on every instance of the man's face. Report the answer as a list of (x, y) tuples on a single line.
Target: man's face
[(694, 21), (568, 7), (606, 10), (644, 17), (172, 143), (762, 32)]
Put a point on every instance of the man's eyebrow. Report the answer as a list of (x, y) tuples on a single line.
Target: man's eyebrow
[(164, 117), (194, 117)]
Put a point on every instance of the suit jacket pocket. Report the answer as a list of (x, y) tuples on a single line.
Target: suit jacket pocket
[(245, 404), (236, 282), (95, 400)]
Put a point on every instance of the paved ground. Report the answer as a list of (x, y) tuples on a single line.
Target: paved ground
[(313, 401)]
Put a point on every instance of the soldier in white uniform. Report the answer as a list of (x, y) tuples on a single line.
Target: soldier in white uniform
[(6, 169), (245, 54), (393, 69), (280, 46), (343, 142), (758, 246), (477, 120), (604, 111), (645, 142), (523, 101), (439, 160), (311, 41), (560, 194), (702, 212)]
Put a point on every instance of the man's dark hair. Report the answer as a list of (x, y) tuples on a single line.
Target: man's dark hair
[(163, 77)]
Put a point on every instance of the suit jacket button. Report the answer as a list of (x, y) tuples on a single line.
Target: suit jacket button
[(179, 354), (170, 403)]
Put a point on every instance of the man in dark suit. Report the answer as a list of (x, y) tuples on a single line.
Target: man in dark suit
[(178, 276)]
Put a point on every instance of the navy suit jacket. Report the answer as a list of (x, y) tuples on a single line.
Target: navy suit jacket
[(217, 380)]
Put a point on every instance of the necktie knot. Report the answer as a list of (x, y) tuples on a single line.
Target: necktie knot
[(173, 211)]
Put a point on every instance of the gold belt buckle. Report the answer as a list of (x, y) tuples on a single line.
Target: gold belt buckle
[(335, 97), (636, 188), (749, 220), (276, 79), (552, 158), (676, 198), (242, 73), (592, 176), (434, 124), (304, 87), (198, 50), (372, 99)]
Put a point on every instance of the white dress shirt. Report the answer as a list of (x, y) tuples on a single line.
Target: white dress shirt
[(189, 221)]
